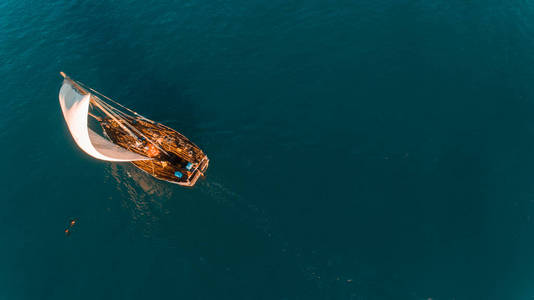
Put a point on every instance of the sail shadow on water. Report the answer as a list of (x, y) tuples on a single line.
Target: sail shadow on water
[(143, 197)]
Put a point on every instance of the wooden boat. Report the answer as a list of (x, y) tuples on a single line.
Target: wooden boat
[(128, 136)]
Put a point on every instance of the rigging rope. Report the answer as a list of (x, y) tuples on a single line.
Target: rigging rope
[(113, 116), (126, 108), (117, 103), (111, 108), (114, 113)]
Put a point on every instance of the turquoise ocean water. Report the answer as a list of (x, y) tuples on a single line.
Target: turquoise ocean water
[(359, 150)]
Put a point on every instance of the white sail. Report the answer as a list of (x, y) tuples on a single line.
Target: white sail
[(75, 107)]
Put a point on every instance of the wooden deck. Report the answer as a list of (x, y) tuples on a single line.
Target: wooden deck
[(180, 151)]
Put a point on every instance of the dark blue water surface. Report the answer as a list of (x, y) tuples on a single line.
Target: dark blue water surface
[(359, 150)]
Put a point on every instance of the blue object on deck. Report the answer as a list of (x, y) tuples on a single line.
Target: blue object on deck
[(189, 166), (178, 174)]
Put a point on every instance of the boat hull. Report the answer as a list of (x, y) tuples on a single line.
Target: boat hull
[(179, 161), (170, 156), (158, 174)]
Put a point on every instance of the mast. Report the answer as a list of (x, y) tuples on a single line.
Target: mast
[(74, 84), (75, 104), (94, 102), (108, 110)]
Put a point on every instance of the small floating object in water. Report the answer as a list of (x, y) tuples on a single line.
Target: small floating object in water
[(129, 137), (72, 222)]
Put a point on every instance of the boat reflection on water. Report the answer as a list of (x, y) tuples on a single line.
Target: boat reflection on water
[(143, 196)]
